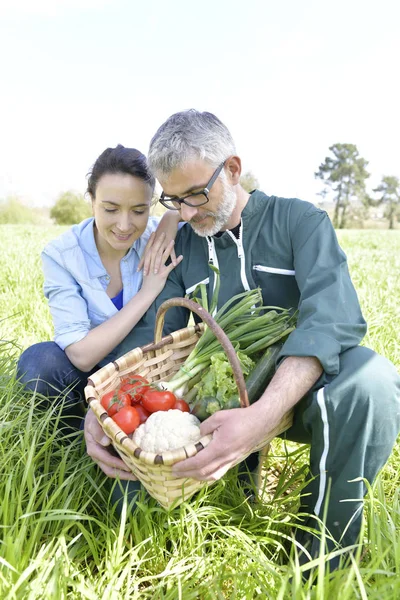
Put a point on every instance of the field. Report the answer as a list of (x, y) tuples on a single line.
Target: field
[(60, 536)]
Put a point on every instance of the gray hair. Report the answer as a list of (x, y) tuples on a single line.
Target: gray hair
[(189, 135)]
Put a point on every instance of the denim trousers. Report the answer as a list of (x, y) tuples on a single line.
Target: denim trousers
[(45, 368)]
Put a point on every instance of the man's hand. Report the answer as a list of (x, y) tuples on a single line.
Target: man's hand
[(236, 433), (96, 446)]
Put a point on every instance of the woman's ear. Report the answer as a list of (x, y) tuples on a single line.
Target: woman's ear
[(234, 167)]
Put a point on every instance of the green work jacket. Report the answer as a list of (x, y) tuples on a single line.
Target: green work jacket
[(289, 249)]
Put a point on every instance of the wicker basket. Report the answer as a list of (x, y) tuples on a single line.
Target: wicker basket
[(159, 361)]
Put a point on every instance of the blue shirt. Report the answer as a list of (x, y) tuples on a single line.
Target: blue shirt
[(75, 281), (118, 300)]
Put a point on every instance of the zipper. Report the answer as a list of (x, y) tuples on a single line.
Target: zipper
[(212, 260), (273, 270), (241, 256)]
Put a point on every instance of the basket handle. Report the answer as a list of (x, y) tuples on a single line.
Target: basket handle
[(217, 331)]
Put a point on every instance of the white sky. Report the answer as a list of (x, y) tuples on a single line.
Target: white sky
[(289, 78)]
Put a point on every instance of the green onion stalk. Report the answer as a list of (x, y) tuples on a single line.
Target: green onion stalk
[(250, 326)]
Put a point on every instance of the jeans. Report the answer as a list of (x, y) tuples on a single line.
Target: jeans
[(45, 368)]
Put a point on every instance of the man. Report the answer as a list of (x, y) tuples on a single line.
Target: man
[(346, 397)]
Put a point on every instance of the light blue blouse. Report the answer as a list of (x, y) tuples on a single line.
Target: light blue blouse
[(75, 281)]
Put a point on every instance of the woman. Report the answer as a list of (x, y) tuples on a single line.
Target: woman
[(93, 282)]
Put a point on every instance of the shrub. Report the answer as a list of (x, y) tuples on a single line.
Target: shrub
[(70, 208), (13, 211)]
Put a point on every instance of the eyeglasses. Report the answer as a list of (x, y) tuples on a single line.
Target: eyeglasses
[(201, 196)]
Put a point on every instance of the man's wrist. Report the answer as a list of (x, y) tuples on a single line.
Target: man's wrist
[(292, 381)]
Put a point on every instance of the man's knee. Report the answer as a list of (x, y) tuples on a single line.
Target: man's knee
[(371, 379), (363, 401)]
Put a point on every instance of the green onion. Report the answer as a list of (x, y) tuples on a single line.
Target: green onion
[(248, 324)]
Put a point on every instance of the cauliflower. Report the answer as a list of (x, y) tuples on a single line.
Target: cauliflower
[(167, 430)]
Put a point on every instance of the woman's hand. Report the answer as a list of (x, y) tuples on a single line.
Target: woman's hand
[(158, 271), (160, 240), (96, 446)]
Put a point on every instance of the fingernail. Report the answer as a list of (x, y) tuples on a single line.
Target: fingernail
[(105, 440), (155, 271), (144, 272)]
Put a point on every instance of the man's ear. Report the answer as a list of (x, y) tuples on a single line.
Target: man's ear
[(234, 168)]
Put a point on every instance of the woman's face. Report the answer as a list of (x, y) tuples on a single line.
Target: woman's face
[(121, 211)]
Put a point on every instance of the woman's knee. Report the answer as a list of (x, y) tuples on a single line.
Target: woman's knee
[(34, 361), (39, 366)]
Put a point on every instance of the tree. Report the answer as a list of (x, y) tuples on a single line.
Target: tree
[(345, 175), (249, 182), (70, 208), (389, 190)]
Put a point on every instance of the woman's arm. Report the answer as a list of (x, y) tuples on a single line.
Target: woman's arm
[(100, 341)]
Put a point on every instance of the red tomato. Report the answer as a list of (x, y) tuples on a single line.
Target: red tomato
[(113, 402), (135, 385), (124, 398), (154, 400), (181, 405), (127, 419), (143, 413), (133, 377)]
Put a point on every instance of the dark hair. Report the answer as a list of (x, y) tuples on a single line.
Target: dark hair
[(119, 160)]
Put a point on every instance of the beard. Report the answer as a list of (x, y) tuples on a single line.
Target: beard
[(216, 220)]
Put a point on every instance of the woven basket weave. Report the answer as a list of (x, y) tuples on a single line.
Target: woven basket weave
[(159, 361)]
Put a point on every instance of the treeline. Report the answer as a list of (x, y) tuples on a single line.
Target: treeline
[(69, 208), (344, 174)]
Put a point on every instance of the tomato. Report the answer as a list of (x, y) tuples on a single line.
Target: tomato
[(154, 400), (113, 402), (143, 413), (127, 419), (124, 398), (181, 405), (135, 385)]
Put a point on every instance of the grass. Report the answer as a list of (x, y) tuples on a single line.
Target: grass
[(61, 537)]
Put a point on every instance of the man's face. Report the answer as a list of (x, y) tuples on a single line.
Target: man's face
[(211, 217)]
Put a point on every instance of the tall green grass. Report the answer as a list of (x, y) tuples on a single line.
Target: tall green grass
[(61, 538)]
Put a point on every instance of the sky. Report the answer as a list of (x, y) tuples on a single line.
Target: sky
[(288, 78)]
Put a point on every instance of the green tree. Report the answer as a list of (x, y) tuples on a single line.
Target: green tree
[(70, 208), (345, 174), (389, 194), (249, 182)]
